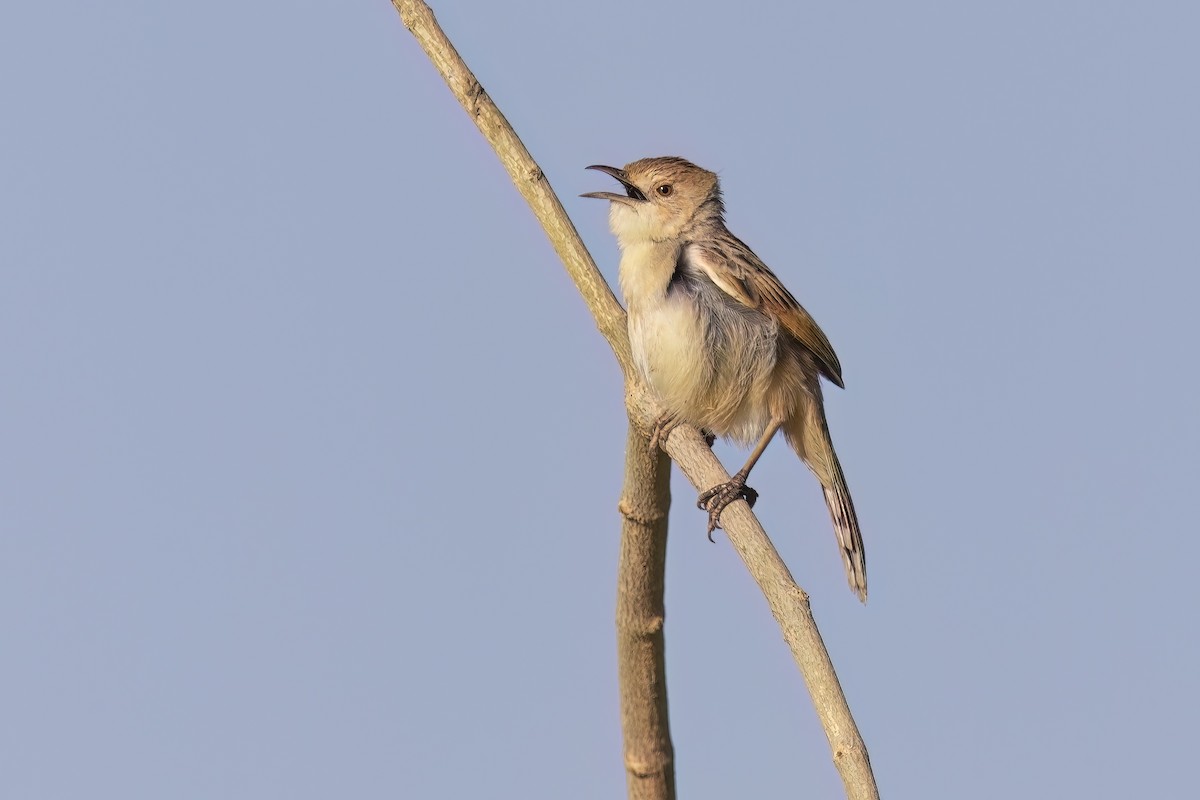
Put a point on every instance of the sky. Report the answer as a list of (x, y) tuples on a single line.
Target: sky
[(310, 453)]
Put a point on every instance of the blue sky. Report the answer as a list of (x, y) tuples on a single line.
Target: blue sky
[(311, 452)]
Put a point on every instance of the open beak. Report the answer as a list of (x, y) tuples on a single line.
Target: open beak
[(632, 194)]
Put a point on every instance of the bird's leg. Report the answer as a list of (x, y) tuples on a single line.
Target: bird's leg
[(717, 498)]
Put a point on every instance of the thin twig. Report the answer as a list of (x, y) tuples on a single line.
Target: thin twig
[(525, 174), (788, 602)]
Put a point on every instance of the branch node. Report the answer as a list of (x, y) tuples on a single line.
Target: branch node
[(475, 94), (798, 591), (626, 511)]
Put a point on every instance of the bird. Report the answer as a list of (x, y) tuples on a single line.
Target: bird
[(720, 340)]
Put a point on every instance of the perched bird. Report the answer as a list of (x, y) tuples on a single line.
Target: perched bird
[(720, 340)]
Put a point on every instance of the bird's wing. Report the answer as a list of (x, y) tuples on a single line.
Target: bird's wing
[(742, 275)]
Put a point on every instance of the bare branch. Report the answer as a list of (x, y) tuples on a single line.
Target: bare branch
[(645, 497), (525, 174), (641, 658), (788, 602)]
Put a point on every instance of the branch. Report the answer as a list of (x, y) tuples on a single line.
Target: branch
[(525, 173), (641, 653), (788, 602), (645, 497)]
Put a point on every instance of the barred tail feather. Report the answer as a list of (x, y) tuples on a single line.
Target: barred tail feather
[(808, 434), (845, 527)]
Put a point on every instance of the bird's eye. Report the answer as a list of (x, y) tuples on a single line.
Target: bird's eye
[(665, 189)]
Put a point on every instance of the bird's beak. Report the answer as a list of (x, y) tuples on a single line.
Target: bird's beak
[(633, 194)]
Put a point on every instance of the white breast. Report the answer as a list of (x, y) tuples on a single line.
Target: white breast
[(667, 337)]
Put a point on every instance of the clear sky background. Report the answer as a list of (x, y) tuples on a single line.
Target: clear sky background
[(310, 453)]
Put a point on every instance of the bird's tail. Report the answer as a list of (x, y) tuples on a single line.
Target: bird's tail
[(808, 433)]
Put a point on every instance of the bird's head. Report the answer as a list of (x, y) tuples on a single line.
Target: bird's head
[(663, 198)]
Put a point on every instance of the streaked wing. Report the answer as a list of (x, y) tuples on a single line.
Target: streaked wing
[(734, 267)]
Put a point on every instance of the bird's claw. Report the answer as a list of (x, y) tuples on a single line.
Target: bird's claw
[(718, 497), (660, 430)]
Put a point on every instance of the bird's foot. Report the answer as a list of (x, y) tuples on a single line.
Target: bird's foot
[(717, 498), (660, 430)]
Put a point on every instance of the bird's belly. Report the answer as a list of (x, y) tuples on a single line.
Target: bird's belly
[(668, 344), (713, 371)]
